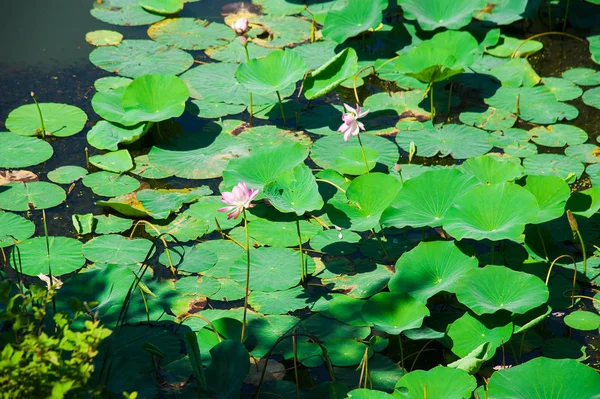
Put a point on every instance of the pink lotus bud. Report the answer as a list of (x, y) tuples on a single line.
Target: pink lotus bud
[(241, 26)]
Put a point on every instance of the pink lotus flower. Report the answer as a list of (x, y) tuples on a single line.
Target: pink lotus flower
[(351, 125), (238, 199), (241, 26)]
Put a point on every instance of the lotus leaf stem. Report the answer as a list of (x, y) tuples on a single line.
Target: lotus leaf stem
[(49, 263), (202, 318), (356, 77), (296, 379), (401, 351), (250, 105), (385, 252), (586, 297), (362, 150), (171, 266), (41, 117), (556, 260), (331, 183), (543, 243), (514, 53), (247, 276), (412, 367), (566, 15), (281, 108), (225, 235), (302, 265), (322, 223)]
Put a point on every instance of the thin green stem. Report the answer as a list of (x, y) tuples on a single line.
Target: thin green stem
[(578, 234), (247, 276), (281, 108), (385, 252), (48, 254), (250, 106), (401, 351), (40, 114), (362, 150), (303, 279), (564, 28), (431, 106), (295, 349)]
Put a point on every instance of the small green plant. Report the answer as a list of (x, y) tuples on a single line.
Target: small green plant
[(42, 356)]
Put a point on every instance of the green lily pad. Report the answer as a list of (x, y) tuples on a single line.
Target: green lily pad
[(490, 169), (595, 47), (363, 393), (345, 351), (352, 162), (183, 228), (21, 197), (116, 249), (196, 259), (586, 153), (441, 382), (279, 7), (209, 109), (108, 184), (316, 54), (331, 74), (111, 83), (109, 105), (263, 165), (432, 15), (281, 31), (335, 242), (488, 119), (274, 73), (360, 281), (522, 150), (563, 89), (430, 268), (326, 329), (103, 38), (205, 208), (593, 171), (494, 288), (495, 212), (198, 156), (123, 12), (197, 286), (133, 58), (83, 224), (468, 332), (536, 104), (553, 165), (111, 224), (508, 45), (354, 18), (459, 141), (271, 269), (67, 174), (583, 320), (14, 228), (515, 72), (234, 52), (364, 202), (551, 193), (116, 162), (558, 135), (394, 313), (425, 199), (503, 12), (190, 33), (162, 6), (18, 152), (585, 203), (294, 191), (546, 378), (60, 120), (107, 135), (160, 203), (279, 234), (227, 253), (61, 255), (280, 302), (272, 136), (582, 76)]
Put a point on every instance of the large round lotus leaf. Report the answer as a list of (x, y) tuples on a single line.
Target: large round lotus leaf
[(109, 184), (491, 169), (271, 269), (488, 119), (431, 14), (133, 58), (60, 120), (162, 6), (363, 393), (582, 76), (272, 136), (155, 98), (545, 378), (327, 150), (583, 320), (111, 224), (209, 109), (563, 89), (494, 288), (495, 212), (551, 193), (322, 120), (441, 382), (553, 165), (515, 72), (586, 153), (66, 174), (234, 52), (345, 351), (585, 203), (333, 242), (592, 97), (468, 332), (59, 255), (508, 45), (191, 33), (19, 152), (123, 12), (281, 234), (502, 12), (160, 203), (14, 228), (366, 199), (107, 136), (295, 190), (116, 161), (595, 46), (196, 259), (197, 286), (263, 165), (345, 309), (275, 72), (116, 249), (206, 209), (280, 31), (394, 313), (317, 53), (103, 38), (111, 83), (509, 136), (183, 228), (430, 268), (361, 280), (536, 104), (354, 18), (558, 135), (109, 105), (280, 302), (459, 141), (199, 155), (522, 150), (21, 197), (425, 199), (216, 82), (329, 75), (326, 329)]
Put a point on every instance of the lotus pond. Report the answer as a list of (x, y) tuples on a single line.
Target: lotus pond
[(361, 199)]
